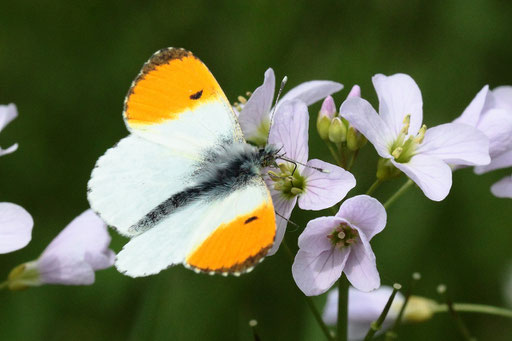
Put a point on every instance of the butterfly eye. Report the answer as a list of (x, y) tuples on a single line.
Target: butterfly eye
[(197, 95)]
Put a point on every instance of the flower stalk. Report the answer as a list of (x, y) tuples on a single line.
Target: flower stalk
[(463, 329), (405, 187), (342, 325), (475, 308), (373, 187), (375, 326), (309, 300), (391, 334)]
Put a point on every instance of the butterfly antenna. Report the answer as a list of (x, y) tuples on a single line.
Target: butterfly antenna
[(288, 220), (283, 83), (323, 170)]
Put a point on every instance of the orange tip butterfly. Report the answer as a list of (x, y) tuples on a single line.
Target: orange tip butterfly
[(184, 185)]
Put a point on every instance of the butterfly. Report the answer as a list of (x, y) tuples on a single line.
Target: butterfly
[(184, 185)]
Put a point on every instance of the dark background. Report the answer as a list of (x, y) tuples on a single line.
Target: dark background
[(67, 65)]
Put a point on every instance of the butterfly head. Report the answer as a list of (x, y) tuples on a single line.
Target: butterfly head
[(267, 155)]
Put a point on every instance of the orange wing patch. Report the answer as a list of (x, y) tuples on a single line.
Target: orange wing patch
[(171, 82), (238, 245)]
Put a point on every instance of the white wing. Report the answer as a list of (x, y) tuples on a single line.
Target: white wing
[(134, 177), (180, 235)]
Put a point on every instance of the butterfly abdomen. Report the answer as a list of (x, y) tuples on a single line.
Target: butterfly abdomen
[(229, 168)]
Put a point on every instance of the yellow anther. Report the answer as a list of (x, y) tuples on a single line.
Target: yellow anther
[(248, 94), (242, 99), (397, 152), (421, 134), (406, 123)]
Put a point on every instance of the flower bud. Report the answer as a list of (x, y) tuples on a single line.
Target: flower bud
[(355, 140), (419, 309), (355, 91), (328, 108), (322, 126), (326, 114), (24, 276), (337, 131), (386, 170)]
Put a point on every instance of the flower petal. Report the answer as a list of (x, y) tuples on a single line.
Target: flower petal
[(503, 96), (399, 96), (361, 266), (471, 114), (365, 119), (311, 92), (289, 130), (315, 274), (324, 190), (7, 113), (503, 188), (496, 124), (431, 174), (366, 213), (457, 144), (314, 238), (283, 208), (9, 150), (65, 270), (15, 227), (85, 235), (256, 112), (501, 161)]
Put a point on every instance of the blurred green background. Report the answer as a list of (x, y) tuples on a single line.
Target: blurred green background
[(68, 65)]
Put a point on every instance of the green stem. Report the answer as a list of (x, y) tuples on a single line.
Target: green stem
[(343, 163), (391, 334), (475, 308), (375, 326), (318, 318), (343, 286), (309, 300), (4, 285), (333, 152), (352, 159), (463, 329), (374, 186), (398, 193)]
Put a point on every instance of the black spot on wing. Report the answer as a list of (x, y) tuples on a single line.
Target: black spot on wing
[(253, 218), (197, 95)]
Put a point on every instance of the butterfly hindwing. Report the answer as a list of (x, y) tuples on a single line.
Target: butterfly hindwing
[(226, 235)]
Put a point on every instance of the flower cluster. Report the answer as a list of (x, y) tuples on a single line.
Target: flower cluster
[(331, 246)]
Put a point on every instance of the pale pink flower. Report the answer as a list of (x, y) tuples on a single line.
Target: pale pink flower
[(15, 227), (491, 112), (330, 246), (71, 258), (7, 114), (311, 188), (366, 307), (254, 116), (398, 135), (363, 309)]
